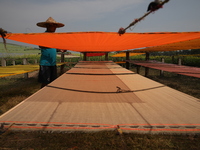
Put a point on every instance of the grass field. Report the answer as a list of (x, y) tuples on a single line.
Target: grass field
[(17, 49)]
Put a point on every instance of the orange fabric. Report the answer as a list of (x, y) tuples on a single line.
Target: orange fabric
[(185, 45), (124, 54), (102, 41)]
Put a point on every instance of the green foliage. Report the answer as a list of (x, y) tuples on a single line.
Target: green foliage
[(176, 53), (191, 61), (186, 60), (18, 52), (13, 49)]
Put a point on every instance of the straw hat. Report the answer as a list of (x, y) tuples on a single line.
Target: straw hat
[(50, 20)]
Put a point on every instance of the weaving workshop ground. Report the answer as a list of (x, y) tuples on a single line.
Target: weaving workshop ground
[(101, 96), (100, 140)]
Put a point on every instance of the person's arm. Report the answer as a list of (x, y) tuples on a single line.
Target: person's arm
[(61, 50), (42, 47)]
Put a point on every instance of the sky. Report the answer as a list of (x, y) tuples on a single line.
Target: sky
[(21, 16)]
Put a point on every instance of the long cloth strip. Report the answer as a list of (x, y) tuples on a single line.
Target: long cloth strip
[(150, 108), (102, 41)]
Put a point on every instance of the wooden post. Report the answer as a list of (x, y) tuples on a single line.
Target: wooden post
[(84, 56), (146, 71), (147, 56), (106, 56), (162, 60), (70, 60), (62, 57), (161, 71), (127, 59), (62, 60), (147, 68), (3, 62), (25, 62), (179, 62), (13, 62), (138, 69), (173, 59)]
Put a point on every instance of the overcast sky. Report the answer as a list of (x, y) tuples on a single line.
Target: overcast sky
[(21, 16)]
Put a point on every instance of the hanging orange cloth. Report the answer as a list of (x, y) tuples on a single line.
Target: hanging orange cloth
[(102, 41)]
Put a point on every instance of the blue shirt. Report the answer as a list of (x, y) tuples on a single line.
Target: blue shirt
[(48, 57)]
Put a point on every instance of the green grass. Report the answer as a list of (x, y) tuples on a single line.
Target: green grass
[(186, 60), (17, 49), (17, 53)]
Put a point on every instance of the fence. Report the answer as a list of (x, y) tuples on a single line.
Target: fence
[(8, 62), (24, 61)]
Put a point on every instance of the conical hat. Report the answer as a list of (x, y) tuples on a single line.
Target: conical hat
[(50, 20)]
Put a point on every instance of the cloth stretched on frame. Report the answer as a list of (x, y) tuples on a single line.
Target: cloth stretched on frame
[(102, 41)]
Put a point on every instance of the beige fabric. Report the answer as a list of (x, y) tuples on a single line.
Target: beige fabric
[(89, 101)]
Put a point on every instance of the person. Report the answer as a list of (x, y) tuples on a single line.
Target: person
[(48, 68)]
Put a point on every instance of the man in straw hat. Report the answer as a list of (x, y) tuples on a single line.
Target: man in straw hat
[(48, 68)]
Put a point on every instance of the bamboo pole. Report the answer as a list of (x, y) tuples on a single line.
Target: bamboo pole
[(123, 30)]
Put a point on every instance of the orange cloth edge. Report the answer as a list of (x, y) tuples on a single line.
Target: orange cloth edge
[(102, 41)]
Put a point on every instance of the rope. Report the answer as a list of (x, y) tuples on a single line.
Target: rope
[(120, 133), (123, 30), (119, 128), (119, 90), (4, 131), (100, 73)]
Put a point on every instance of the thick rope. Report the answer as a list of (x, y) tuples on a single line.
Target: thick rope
[(123, 30)]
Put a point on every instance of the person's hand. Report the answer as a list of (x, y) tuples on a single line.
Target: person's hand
[(42, 47)]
